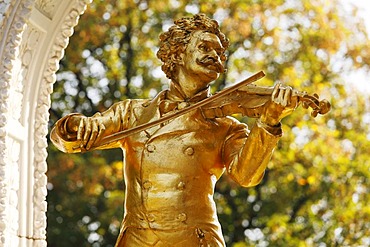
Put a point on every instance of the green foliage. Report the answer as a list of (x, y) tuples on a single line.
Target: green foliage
[(316, 188)]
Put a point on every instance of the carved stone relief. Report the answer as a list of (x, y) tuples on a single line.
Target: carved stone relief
[(18, 53), (42, 116), (47, 7), (15, 13), (28, 48), (4, 11)]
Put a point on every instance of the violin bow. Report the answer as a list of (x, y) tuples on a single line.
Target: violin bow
[(125, 133)]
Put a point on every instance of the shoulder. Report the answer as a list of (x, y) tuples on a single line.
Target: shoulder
[(140, 102), (148, 102), (129, 103)]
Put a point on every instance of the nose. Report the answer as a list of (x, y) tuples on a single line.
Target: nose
[(213, 53)]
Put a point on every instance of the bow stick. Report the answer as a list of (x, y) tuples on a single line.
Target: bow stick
[(125, 133)]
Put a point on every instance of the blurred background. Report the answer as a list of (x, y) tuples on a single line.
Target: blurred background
[(316, 188)]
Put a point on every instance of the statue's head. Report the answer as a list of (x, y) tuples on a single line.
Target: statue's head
[(173, 43)]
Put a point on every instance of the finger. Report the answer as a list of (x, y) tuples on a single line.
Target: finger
[(280, 98), (87, 131), (287, 96), (94, 133), (81, 129), (101, 132), (275, 91)]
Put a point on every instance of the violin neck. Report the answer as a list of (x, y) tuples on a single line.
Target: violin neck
[(267, 90)]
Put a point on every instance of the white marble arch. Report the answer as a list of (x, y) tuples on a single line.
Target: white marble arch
[(33, 36)]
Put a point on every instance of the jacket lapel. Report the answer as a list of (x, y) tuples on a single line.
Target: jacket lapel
[(147, 112)]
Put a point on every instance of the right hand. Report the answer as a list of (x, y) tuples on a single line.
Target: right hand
[(90, 130)]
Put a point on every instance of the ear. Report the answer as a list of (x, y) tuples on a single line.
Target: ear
[(178, 58)]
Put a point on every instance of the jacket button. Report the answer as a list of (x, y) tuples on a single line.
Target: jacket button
[(189, 151), (181, 185), (147, 185), (150, 148), (150, 217), (181, 217)]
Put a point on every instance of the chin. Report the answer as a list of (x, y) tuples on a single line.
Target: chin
[(212, 75), (208, 75)]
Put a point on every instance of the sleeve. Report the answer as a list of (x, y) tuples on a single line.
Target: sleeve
[(246, 154), (115, 119)]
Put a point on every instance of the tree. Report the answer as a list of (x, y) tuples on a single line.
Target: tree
[(316, 189)]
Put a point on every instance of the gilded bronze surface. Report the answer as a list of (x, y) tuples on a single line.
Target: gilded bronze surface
[(171, 167)]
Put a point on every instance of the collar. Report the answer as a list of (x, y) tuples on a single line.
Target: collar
[(175, 93)]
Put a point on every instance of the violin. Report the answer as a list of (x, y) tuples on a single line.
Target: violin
[(242, 98), (249, 101)]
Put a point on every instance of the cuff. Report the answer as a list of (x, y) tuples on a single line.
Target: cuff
[(273, 130), (62, 129)]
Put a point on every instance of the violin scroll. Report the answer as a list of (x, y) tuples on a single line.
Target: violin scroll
[(317, 106)]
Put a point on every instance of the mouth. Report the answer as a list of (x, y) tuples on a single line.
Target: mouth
[(211, 63)]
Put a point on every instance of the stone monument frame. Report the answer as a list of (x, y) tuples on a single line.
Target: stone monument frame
[(33, 37)]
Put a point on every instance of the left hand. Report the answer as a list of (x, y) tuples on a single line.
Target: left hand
[(282, 104)]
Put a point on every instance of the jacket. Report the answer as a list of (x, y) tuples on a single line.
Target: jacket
[(171, 170)]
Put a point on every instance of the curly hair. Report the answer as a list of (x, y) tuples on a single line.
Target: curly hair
[(174, 41)]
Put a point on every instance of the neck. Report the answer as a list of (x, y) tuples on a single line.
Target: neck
[(190, 86), (175, 93)]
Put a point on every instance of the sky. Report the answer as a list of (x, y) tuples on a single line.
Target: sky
[(364, 10), (364, 6), (361, 79)]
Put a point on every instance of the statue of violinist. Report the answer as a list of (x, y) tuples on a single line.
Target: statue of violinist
[(171, 168)]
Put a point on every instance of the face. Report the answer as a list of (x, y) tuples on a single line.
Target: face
[(202, 58)]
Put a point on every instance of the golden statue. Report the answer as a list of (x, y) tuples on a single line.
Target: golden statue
[(177, 145)]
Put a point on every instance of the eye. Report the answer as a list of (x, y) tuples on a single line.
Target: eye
[(204, 47)]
